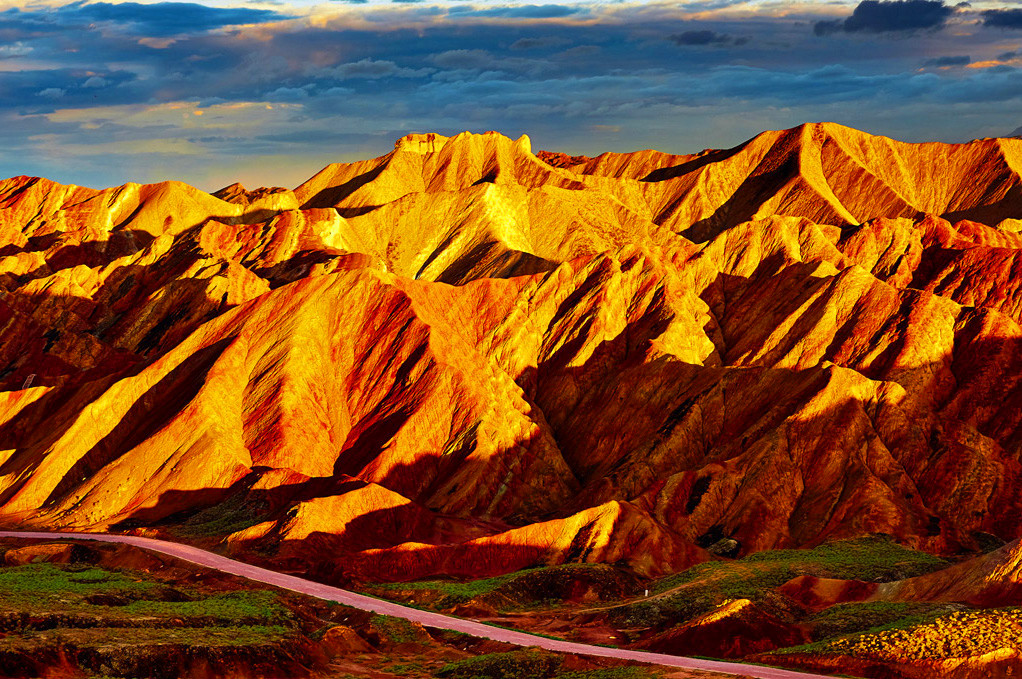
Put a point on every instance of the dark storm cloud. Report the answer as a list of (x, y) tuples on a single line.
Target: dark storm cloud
[(161, 19), (940, 62), (895, 16), (1003, 18)]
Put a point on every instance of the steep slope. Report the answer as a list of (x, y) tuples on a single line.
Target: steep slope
[(471, 206), (827, 173), (459, 359)]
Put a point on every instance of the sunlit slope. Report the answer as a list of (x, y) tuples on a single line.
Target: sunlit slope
[(459, 359), (827, 173)]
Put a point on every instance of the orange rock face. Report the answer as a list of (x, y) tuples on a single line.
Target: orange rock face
[(458, 358)]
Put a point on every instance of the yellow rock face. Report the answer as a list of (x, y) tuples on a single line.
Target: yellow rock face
[(458, 358)]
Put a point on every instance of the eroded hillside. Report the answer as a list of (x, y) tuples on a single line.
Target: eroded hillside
[(459, 359)]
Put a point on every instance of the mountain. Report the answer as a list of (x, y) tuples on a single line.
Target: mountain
[(460, 359)]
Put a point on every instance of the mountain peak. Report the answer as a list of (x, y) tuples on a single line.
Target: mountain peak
[(429, 142)]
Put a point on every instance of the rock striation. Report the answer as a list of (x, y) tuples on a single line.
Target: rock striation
[(460, 359)]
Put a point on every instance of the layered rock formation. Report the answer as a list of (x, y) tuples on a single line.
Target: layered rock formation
[(458, 358)]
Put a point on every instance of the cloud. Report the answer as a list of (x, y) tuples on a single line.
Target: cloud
[(536, 43), (15, 49), (378, 71), (580, 51), (463, 59), (286, 94), (948, 62), (894, 16), (1003, 18), (160, 19), (703, 37), (372, 69), (519, 11)]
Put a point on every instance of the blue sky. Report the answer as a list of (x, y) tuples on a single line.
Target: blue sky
[(99, 93)]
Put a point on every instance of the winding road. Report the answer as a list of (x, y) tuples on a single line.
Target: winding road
[(426, 618)]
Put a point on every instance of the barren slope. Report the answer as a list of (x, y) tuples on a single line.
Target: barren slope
[(812, 335)]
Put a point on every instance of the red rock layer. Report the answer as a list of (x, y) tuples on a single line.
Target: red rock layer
[(643, 353)]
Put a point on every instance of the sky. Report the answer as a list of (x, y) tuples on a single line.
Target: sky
[(267, 92)]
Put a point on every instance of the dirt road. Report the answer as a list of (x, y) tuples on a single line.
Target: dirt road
[(426, 618)]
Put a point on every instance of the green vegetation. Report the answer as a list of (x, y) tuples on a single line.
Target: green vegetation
[(42, 585), (89, 604), (547, 584), (230, 516), (533, 664), (448, 592), (849, 618), (202, 637), (396, 630), (55, 589), (704, 586), (525, 664), (874, 559), (132, 623), (245, 607)]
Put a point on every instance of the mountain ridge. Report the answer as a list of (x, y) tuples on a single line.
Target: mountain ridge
[(488, 362)]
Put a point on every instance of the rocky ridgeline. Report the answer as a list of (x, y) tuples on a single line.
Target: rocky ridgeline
[(460, 359)]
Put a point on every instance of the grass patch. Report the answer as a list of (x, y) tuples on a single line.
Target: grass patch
[(874, 559), (540, 585), (203, 637), (525, 664), (396, 630), (843, 619), (244, 607), (39, 585), (230, 516), (533, 664), (701, 588), (132, 625), (56, 589), (447, 592)]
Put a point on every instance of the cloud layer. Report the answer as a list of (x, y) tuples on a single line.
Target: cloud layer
[(99, 93)]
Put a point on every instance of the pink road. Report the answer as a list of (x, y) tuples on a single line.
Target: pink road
[(426, 618)]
